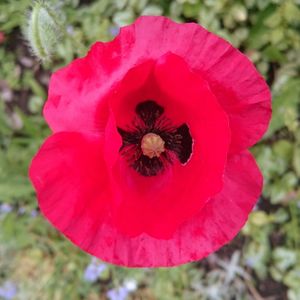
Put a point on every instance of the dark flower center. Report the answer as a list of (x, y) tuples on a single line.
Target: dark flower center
[(152, 142)]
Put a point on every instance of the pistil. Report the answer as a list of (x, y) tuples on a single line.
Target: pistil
[(152, 145)]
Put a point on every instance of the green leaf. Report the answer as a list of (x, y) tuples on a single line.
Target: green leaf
[(258, 35), (124, 18), (272, 53), (296, 159), (152, 10), (288, 94), (284, 258)]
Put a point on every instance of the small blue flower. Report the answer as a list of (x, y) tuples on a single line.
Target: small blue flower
[(114, 30), (120, 293), (251, 261), (70, 30), (34, 213), (5, 209), (130, 285), (93, 270), (22, 210), (8, 290)]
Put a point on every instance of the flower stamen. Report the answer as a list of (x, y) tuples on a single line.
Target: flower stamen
[(154, 142)]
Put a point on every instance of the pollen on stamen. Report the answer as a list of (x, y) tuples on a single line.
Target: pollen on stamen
[(152, 145)]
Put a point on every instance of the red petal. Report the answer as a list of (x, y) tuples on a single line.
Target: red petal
[(77, 91), (158, 205), (218, 222), (76, 199), (86, 200), (232, 77), (71, 181)]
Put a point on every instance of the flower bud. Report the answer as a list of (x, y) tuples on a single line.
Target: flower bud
[(43, 30)]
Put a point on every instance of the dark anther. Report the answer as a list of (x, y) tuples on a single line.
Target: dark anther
[(149, 112), (129, 138), (149, 144), (148, 166), (181, 143)]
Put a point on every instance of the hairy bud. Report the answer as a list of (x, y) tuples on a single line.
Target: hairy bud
[(43, 30)]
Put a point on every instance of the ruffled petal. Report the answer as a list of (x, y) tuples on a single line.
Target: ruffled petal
[(158, 205), (76, 200), (217, 223), (88, 191), (234, 80), (69, 175), (76, 92)]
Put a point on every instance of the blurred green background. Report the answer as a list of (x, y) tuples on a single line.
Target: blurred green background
[(263, 262)]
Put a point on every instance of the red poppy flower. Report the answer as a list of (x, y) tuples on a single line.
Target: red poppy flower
[(148, 162)]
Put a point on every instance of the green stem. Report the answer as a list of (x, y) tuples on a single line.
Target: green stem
[(294, 221)]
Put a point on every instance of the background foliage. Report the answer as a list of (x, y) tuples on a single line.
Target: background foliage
[(263, 262)]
